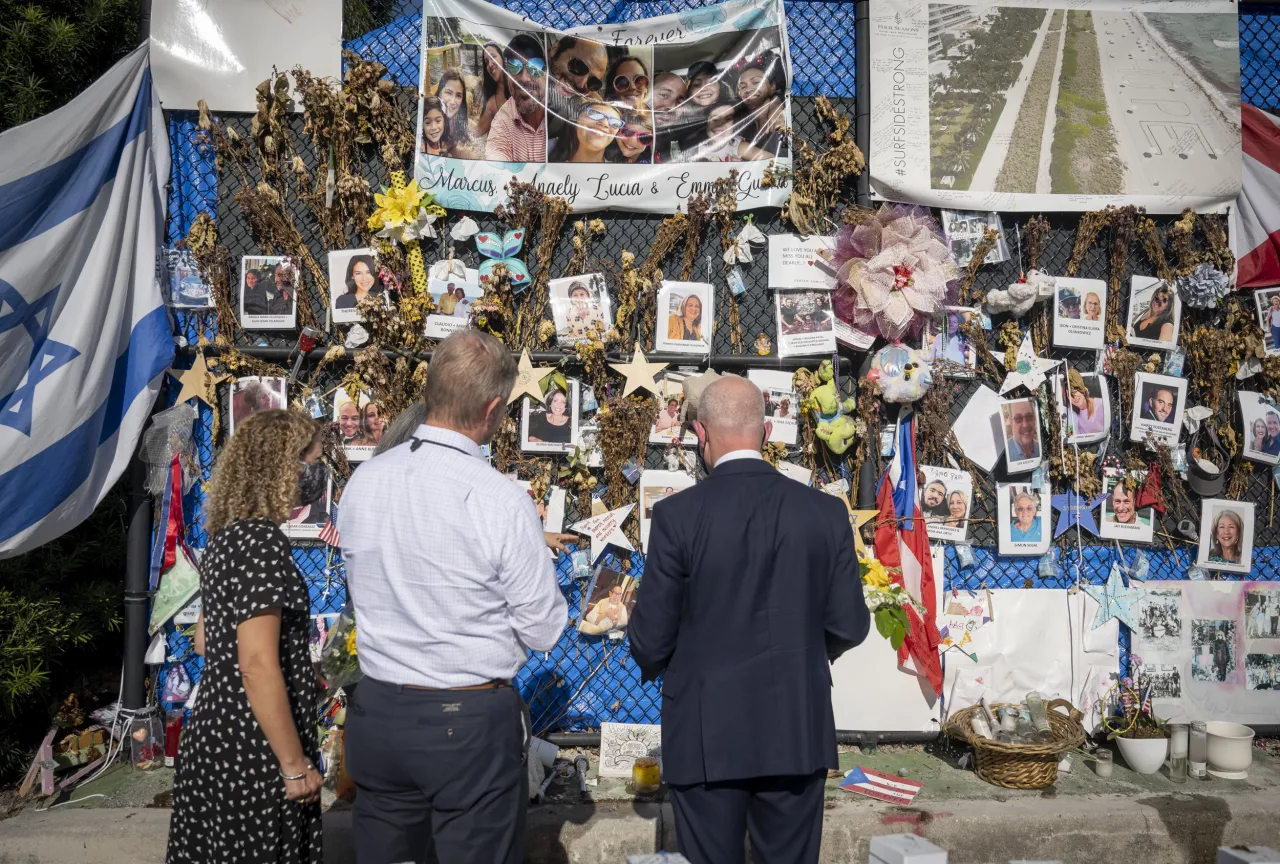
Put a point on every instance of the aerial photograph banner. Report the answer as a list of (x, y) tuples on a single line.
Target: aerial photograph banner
[(637, 116), (1030, 105)]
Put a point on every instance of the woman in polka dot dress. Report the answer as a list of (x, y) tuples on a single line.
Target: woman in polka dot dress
[(247, 789)]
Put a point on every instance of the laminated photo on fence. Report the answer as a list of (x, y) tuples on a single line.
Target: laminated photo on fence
[(635, 116), (353, 276)]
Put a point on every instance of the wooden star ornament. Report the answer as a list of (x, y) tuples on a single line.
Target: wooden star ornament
[(605, 529), (197, 380), (640, 373), (529, 379), (1028, 369)]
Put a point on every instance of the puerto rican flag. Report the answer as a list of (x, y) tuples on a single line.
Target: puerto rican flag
[(882, 787), (902, 545), (1255, 219)]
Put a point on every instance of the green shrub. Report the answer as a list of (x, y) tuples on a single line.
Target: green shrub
[(1099, 121)]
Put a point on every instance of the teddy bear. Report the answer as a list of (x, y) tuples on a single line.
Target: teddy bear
[(836, 427), (904, 373)]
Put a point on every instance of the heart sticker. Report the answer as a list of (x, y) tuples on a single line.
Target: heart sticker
[(518, 235), (483, 238)]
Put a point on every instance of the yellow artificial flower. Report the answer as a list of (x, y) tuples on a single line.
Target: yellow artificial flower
[(351, 642), (875, 576)]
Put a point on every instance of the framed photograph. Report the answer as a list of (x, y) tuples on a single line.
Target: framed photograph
[(654, 486), (361, 422), (1213, 649), (1020, 425), (453, 298), (306, 522), (1262, 613), (948, 347), (1226, 535), (806, 323), (268, 292), (686, 321), (1268, 301), (552, 426), (186, 289), (667, 427), (579, 305), (610, 598), (252, 394), (320, 625), (1261, 421), (353, 276), (1155, 312), (1159, 401), (1023, 519), (781, 403), (1088, 411), (945, 500), (1121, 520), (964, 229), (1080, 313)]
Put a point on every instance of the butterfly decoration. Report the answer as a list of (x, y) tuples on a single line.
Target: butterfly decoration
[(502, 250)]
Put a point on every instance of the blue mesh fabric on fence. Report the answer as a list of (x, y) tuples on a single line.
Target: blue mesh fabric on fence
[(585, 681)]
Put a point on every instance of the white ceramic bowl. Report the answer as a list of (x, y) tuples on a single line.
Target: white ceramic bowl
[(1143, 755), (1230, 746)]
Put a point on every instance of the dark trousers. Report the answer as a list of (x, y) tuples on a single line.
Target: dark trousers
[(444, 765), (782, 815)]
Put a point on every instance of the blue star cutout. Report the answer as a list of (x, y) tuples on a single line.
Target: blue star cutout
[(47, 355), (1073, 510), (1115, 599)]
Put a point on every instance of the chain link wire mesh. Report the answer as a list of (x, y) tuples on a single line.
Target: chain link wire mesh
[(585, 681)]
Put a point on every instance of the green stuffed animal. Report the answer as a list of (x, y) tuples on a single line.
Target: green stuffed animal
[(835, 425)]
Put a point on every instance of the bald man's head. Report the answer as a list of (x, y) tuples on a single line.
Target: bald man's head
[(730, 417)]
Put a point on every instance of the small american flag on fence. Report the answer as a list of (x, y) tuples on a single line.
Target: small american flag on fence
[(329, 533), (882, 787)]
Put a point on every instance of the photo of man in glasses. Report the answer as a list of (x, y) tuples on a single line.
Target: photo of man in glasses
[(578, 68), (519, 130)]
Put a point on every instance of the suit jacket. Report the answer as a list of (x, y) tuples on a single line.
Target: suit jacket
[(750, 590)]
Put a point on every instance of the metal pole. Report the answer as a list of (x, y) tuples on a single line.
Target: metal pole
[(137, 581), (862, 92), (144, 20)]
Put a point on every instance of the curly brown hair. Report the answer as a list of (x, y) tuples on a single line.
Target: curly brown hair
[(257, 474)]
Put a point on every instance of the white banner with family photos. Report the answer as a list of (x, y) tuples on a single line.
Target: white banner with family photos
[(1210, 649), (974, 107), (630, 116)]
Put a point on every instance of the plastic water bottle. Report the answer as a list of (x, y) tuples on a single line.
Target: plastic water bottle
[(1198, 750)]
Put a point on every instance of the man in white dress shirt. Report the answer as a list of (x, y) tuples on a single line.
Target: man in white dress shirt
[(452, 586)]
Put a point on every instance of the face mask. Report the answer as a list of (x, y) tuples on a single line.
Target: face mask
[(312, 483)]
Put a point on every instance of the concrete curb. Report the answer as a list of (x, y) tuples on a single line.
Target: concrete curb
[(1174, 828)]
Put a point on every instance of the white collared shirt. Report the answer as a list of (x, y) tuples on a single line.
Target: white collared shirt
[(738, 454), (447, 566)]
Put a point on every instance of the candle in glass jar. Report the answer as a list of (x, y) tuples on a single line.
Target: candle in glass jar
[(1103, 766), (646, 775)]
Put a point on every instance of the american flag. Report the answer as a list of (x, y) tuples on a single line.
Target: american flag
[(882, 787), (329, 533)]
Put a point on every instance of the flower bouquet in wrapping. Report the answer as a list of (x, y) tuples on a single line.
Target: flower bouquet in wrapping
[(887, 602), (893, 272), (339, 665)]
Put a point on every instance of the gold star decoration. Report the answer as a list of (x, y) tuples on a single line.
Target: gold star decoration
[(640, 373), (196, 380), (529, 379)]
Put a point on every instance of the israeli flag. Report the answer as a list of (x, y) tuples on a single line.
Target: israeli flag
[(84, 336)]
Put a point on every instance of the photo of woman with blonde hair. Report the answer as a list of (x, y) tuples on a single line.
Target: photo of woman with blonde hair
[(1228, 534), (686, 324)]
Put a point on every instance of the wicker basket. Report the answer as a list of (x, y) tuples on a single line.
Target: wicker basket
[(1021, 766)]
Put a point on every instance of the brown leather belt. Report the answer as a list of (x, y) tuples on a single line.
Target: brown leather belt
[(495, 684)]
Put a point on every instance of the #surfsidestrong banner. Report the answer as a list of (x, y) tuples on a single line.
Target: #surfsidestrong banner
[(1045, 105), (636, 116)]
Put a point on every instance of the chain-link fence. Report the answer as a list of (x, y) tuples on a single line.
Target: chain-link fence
[(585, 681)]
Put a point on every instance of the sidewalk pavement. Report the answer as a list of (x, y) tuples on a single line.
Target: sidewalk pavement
[(1082, 819)]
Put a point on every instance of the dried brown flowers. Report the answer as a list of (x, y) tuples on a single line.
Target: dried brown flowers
[(818, 178)]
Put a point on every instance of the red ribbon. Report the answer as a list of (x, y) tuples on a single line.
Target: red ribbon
[(173, 522)]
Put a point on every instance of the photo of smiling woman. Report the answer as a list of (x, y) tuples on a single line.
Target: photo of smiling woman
[(1226, 535), (551, 427), (452, 93), (627, 82), (1022, 528), (592, 133), (1155, 311), (353, 275)]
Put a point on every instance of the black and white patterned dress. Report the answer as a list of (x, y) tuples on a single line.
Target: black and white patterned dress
[(229, 805)]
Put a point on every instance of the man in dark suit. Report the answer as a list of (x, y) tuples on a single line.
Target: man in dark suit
[(750, 591)]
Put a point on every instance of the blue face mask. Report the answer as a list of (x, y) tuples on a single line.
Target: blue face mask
[(312, 482)]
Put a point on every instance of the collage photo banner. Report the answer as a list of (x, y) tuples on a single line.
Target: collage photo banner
[(637, 116), (1039, 105)]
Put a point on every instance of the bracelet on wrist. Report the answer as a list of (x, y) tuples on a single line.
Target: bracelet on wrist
[(285, 776)]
